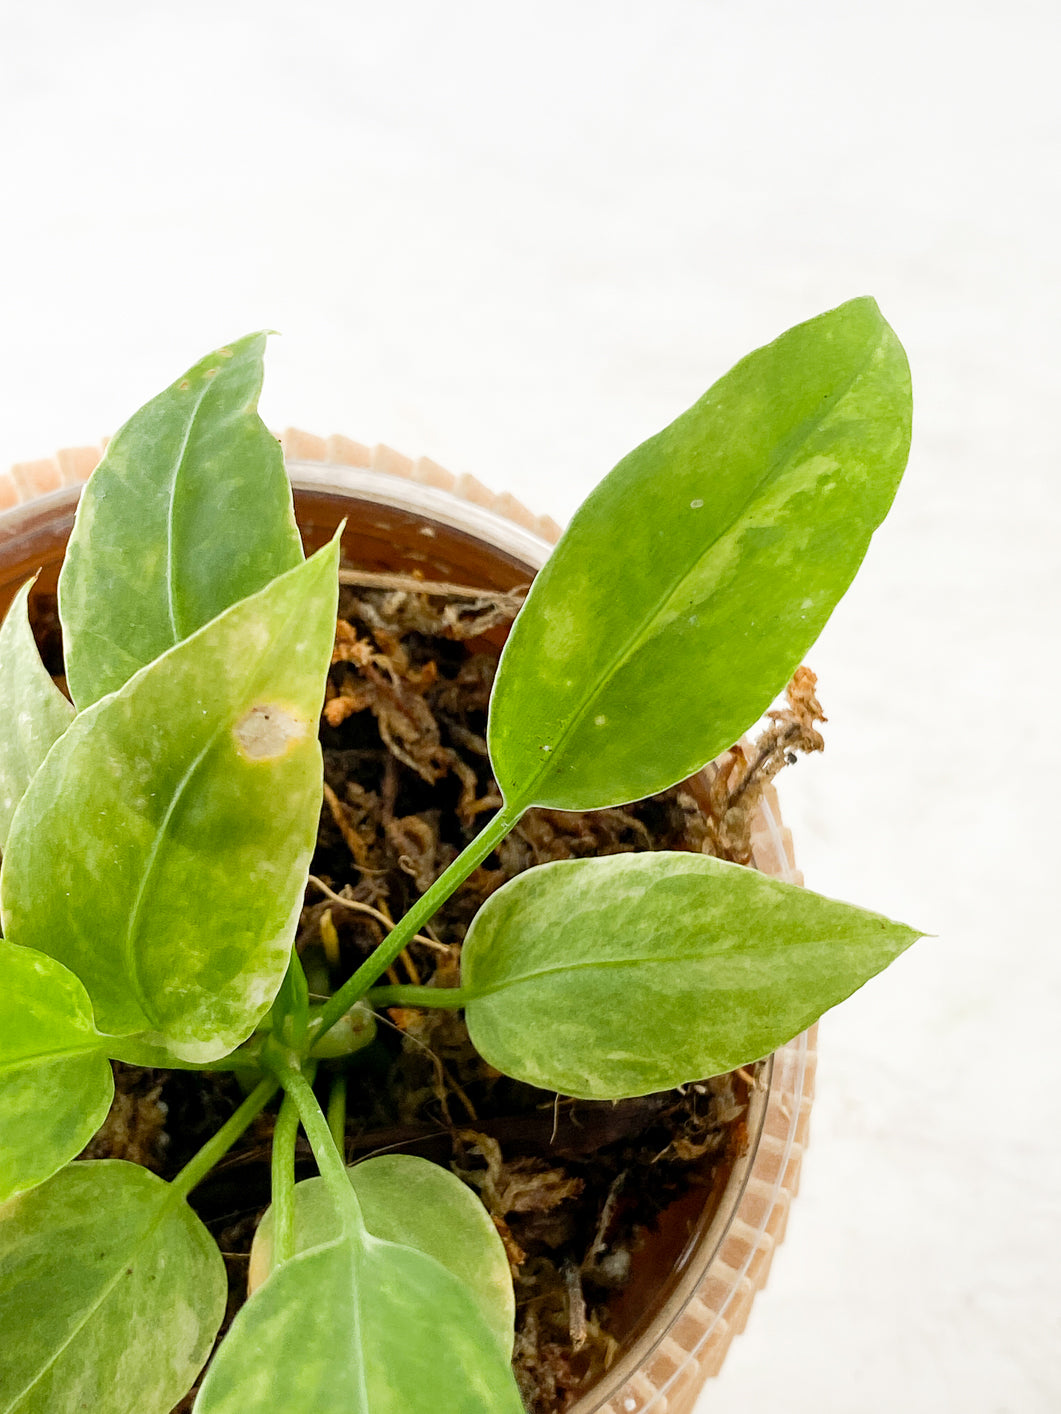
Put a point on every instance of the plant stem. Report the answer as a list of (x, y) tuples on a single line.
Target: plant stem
[(446, 998), (283, 1182), (215, 1149), (337, 1112), (329, 1160), (426, 905)]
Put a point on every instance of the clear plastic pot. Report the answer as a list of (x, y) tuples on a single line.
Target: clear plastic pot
[(402, 516)]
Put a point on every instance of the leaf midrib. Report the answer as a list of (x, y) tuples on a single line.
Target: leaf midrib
[(356, 1236), (132, 928), (633, 645), (175, 477), (475, 993)]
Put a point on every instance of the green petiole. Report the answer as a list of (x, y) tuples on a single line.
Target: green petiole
[(329, 1160), (444, 998), (283, 1182), (337, 1112), (355, 987)]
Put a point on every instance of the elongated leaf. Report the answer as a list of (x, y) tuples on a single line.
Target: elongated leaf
[(604, 978), (35, 713), (55, 1081), (407, 1200), (360, 1326), (111, 1291), (161, 850), (188, 512), (692, 581)]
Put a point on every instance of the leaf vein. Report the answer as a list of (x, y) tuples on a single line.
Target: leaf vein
[(170, 529)]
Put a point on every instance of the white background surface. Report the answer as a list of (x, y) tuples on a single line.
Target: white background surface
[(520, 242)]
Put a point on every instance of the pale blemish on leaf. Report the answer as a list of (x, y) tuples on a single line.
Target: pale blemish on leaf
[(269, 731)]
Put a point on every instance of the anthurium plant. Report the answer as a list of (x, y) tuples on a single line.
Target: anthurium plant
[(156, 827)]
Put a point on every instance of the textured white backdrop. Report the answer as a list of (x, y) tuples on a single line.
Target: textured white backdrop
[(519, 241)]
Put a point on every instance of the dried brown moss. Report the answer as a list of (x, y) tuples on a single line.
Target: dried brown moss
[(736, 781)]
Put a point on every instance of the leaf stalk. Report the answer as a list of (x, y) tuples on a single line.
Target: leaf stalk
[(329, 1160), (283, 1182), (404, 994), (337, 1112), (422, 910)]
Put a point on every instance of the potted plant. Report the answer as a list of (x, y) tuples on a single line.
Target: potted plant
[(156, 829)]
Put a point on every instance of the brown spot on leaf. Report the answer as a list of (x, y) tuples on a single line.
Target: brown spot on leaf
[(269, 731)]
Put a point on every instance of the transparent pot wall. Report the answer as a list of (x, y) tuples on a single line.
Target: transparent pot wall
[(700, 1276)]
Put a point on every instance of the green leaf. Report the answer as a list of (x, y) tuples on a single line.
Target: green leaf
[(188, 512), (35, 712), (162, 849), (695, 577), (407, 1200), (112, 1293), (621, 976), (360, 1326), (55, 1082)]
